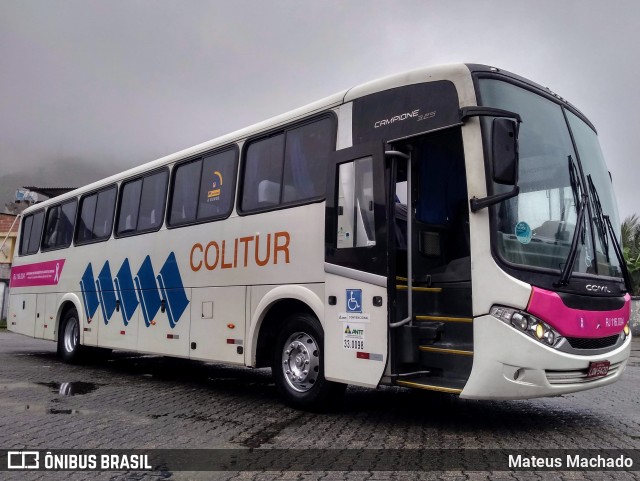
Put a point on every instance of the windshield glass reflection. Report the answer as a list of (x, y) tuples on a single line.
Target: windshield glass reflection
[(536, 228)]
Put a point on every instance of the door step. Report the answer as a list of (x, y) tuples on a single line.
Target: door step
[(450, 386), (467, 320), (402, 287), (446, 350)]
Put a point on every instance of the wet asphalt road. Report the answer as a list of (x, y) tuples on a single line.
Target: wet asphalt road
[(144, 402)]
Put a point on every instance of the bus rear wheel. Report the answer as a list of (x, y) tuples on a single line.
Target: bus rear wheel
[(298, 366), (69, 348)]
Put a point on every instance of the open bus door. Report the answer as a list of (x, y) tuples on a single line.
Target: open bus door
[(356, 267), (431, 325)]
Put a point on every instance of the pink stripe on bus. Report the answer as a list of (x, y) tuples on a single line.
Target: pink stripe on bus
[(569, 322), (39, 274)]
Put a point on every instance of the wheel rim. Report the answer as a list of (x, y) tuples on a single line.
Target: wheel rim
[(71, 335), (301, 361)]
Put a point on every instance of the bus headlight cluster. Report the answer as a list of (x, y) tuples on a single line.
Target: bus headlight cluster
[(530, 325)]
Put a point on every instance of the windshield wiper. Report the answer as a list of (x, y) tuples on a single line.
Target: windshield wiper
[(599, 217), (580, 200), (604, 226), (567, 270)]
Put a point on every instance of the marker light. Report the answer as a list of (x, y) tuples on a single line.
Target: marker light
[(626, 329), (539, 331)]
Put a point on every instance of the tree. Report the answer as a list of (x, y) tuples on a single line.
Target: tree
[(631, 248)]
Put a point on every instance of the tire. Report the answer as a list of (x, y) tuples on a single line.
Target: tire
[(69, 348), (298, 366)]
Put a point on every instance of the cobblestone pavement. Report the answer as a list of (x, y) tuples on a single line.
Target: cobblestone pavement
[(135, 401)]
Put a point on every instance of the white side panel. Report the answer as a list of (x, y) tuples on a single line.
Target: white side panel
[(40, 319), (50, 311), (45, 315), (218, 316), (350, 333), (22, 314), (91, 330), (159, 337), (114, 333)]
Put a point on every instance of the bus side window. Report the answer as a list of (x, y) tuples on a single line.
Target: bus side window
[(60, 223), (142, 204), (87, 216), (217, 186), (26, 232), (95, 221), (53, 218), (36, 232), (262, 173), (356, 223), (305, 162), (67, 223), (152, 201), (289, 167), (103, 223), (184, 199), (129, 206)]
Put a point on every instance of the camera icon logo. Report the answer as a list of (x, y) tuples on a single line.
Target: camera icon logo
[(23, 460)]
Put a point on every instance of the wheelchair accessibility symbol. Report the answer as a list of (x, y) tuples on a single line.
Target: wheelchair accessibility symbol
[(354, 300)]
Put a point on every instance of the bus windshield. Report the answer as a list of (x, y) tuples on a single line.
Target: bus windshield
[(536, 228)]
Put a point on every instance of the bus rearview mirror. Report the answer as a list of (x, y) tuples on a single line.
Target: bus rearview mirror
[(504, 152)]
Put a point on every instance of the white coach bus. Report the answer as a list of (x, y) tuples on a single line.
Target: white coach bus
[(451, 229)]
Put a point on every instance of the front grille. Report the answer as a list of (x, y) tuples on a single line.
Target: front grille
[(578, 376), (592, 343)]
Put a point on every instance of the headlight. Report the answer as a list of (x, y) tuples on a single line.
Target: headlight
[(528, 324)]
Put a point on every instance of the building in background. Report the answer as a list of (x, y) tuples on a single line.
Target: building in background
[(8, 234), (9, 224)]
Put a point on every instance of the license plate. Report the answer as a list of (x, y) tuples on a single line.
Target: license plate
[(598, 369)]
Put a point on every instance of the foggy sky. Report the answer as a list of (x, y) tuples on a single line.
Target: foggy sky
[(89, 88)]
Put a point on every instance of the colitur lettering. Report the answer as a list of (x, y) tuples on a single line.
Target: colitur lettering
[(259, 250)]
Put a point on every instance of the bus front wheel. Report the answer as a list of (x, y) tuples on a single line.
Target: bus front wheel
[(298, 365)]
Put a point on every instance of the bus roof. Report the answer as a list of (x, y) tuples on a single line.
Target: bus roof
[(392, 81)]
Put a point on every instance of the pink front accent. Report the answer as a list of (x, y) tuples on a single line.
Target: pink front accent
[(548, 306), (39, 274)]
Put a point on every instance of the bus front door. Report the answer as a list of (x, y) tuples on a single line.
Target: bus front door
[(356, 317)]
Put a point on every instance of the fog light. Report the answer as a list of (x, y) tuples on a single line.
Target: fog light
[(539, 331)]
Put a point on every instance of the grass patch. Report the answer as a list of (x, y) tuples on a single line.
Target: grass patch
[(3, 323)]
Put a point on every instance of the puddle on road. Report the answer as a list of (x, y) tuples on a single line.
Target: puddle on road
[(70, 388), (42, 409), (16, 385), (63, 411)]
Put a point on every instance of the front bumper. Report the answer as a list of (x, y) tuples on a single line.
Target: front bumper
[(501, 352)]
